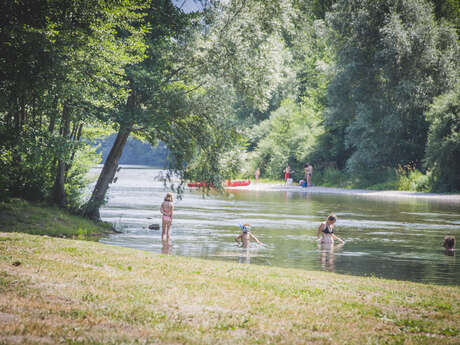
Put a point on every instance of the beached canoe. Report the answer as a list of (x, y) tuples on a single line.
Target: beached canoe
[(237, 183), (228, 183), (196, 184)]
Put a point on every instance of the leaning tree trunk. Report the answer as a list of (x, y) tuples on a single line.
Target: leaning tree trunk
[(106, 176)]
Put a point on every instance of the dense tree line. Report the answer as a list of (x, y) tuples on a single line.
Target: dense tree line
[(367, 81)]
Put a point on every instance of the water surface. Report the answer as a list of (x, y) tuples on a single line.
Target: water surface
[(389, 238)]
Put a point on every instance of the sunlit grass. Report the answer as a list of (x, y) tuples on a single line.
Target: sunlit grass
[(79, 292), (21, 216)]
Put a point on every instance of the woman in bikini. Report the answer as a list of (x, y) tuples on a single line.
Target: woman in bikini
[(166, 210), (326, 231)]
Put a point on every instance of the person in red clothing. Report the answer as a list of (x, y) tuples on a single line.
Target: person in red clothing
[(287, 174)]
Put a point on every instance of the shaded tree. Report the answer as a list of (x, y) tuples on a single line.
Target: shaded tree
[(191, 63), (61, 64)]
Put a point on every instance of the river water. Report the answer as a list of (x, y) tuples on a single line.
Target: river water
[(388, 238)]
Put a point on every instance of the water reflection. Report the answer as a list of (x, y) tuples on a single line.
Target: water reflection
[(245, 257), (327, 255), (166, 247), (396, 239)]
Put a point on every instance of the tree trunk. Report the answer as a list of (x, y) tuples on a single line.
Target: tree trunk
[(59, 196), (107, 174)]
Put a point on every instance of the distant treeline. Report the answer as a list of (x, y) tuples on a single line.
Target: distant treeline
[(135, 152)]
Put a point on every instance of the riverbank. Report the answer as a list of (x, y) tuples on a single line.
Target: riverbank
[(17, 215), (381, 194), (56, 290)]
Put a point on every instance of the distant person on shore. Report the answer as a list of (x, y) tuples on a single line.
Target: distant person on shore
[(326, 231), (167, 210), (308, 174), (287, 174), (449, 245), (257, 175), (245, 236), (305, 177)]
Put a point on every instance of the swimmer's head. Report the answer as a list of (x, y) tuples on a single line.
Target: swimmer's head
[(449, 242), (332, 218), (245, 228)]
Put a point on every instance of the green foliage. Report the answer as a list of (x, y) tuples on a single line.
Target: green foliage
[(448, 10), (232, 163), (77, 179), (26, 163), (411, 179), (62, 67), (443, 146), (332, 177), (286, 138), (392, 60)]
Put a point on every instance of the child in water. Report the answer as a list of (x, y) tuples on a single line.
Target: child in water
[(449, 243), (326, 231), (166, 210), (245, 236)]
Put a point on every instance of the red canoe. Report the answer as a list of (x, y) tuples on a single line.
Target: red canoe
[(237, 183), (227, 184), (196, 184)]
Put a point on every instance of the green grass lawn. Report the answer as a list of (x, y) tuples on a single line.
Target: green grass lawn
[(55, 290), (21, 216)]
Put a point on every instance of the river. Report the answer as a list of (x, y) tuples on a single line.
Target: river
[(388, 238)]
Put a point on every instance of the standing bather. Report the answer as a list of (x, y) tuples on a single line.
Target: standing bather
[(167, 210), (326, 231)]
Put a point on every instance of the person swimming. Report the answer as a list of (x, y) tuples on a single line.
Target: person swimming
[(449, 242)]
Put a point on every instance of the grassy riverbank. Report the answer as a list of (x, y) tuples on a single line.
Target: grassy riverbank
[(17, 215), (56, 290)]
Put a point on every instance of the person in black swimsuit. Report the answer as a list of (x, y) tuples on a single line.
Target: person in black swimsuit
[(326, 231)]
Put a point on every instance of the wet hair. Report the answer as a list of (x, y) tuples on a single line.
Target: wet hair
[(169, 197), (331, 217), (449, 242)]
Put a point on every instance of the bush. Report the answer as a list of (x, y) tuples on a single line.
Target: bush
[(411, 179), (28, 165), (331, 177)]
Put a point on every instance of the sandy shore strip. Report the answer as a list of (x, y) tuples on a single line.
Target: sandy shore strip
[(273, 187)]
